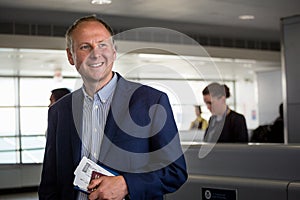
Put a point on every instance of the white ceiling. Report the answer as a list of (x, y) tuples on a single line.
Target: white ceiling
[(217, 12), (196, 13), (214, 12)]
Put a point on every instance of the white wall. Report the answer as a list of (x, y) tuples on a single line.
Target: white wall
[(290, 64), (246, 102), (269, 86), (18, 176)]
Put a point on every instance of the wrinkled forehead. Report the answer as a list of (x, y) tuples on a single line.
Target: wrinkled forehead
[(89, 29)]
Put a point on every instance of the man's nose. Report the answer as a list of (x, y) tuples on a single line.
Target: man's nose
[(96, 52)]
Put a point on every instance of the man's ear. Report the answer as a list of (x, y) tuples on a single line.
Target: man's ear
[(223, 99), (115, 55), (70, 56)]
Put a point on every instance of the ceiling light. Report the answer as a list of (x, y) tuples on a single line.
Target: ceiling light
[(101, 2), (246, 17)]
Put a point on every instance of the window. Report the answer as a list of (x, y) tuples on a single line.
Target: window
[(183, 95), (23, 114), (9, 143)]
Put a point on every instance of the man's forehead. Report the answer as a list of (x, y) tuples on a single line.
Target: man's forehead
[(92, 30), (95, 41), (88, 24)]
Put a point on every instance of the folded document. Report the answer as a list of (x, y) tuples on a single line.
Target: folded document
[(86, 171)]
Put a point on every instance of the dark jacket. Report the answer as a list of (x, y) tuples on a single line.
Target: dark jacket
[(231, 129), (132, 130)]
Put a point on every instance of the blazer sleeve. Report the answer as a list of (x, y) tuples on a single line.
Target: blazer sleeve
[(62, 153), (154, 184), (48, 185)]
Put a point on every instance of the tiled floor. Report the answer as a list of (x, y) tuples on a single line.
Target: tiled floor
[(20, 196)]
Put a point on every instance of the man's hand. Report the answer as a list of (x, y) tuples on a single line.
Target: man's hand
[(108, 188)]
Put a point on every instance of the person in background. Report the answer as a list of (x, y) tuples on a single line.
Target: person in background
[(199, 123), (121, 125), (277, 128), (225, 125), (270, 133), (58, 93)]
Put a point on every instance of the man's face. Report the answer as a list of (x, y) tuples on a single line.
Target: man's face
[(93, 53), (52, 100), (197, 111)]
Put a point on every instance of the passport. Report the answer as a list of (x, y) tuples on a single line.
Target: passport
[(88, 170)]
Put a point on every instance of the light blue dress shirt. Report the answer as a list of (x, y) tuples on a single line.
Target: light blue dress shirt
[(95, 111)]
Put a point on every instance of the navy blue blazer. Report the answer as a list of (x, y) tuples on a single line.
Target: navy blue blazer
[(140, 142)]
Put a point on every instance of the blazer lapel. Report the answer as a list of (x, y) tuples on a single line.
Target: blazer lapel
[(118, 111), (77, 108)]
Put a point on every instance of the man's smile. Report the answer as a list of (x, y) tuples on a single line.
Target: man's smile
[(95, 65)]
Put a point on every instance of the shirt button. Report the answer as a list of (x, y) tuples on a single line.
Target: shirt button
[(95, 130), (96, 107)]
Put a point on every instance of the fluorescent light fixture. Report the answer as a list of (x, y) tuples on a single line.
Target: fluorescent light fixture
[(245, 61), (39, 51), (246, 17), (195, 58), (158, 56), (7, 50), (100, 2)]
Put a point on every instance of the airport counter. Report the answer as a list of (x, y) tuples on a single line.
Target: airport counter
[(241, 171)]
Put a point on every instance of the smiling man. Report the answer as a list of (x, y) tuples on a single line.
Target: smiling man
[(124, 126)]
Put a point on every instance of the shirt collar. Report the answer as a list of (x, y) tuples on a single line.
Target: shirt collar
[(104, 93), (108, 89)]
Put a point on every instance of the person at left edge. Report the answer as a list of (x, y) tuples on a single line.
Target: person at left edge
[(91, 49), (57, 94)]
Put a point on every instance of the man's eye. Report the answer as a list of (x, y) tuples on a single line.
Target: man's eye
[(84, 47), (102, 45)]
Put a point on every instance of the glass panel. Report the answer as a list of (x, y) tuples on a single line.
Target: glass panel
[(33, 156), (187, 116), (70, 83), (34, 120), (33, 142), (9, 157), (9, 143), (197, 87), (37, 91), (8, 121), (184, 94), (7, 90)]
